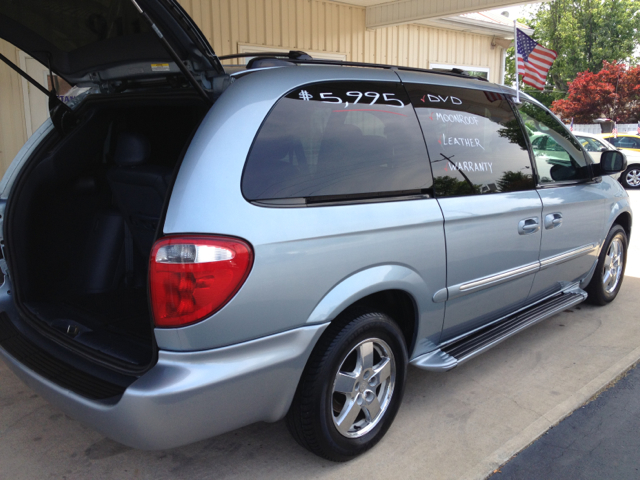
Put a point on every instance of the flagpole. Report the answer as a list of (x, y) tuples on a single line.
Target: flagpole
[(515, 40)]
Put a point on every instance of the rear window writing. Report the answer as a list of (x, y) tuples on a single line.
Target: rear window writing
[(475, 142), (338, 139)]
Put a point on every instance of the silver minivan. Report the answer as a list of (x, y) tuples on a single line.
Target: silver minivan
[(188, 249)]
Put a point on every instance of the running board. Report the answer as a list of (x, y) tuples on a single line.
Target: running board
[(459, 351)]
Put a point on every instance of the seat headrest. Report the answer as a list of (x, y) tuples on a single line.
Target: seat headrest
[(131, 149)]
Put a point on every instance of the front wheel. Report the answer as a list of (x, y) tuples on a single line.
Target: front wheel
[(351, 388), (631, 177), (607, 279)]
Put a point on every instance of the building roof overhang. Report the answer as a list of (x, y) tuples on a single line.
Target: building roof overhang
[(385, 14)]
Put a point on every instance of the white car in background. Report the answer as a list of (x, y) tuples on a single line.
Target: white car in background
[(594, 144)]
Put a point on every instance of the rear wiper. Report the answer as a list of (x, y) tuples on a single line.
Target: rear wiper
[(61, 114)]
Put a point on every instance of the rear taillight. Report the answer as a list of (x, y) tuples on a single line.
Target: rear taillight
[(192, 277)]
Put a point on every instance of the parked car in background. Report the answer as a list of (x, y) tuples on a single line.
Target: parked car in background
[(595, 145), (626, 141), (630, 143), (188, 250)]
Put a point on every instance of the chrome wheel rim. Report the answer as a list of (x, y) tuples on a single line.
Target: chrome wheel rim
[(633, 178), (363, 388), (613, 266)]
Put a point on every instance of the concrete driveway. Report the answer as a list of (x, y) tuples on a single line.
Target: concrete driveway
[(461, 424)]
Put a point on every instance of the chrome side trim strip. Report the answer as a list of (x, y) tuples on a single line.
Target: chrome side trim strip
[(466, 288), (566, 256), (462, 289), (500, 277), (441, 295)]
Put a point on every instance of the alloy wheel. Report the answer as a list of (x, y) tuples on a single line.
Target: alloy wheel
[(613, 263), (632, 177), (363, 388)]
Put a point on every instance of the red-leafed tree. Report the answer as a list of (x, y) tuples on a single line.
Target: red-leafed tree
[(613, 92)]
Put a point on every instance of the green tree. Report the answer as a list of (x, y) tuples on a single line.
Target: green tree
[(585, 33), (510, 68), (514, 182)]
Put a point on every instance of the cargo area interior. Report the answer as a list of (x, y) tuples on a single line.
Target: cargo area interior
[(85, 218)]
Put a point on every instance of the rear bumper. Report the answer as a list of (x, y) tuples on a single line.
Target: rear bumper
[(190, 396)]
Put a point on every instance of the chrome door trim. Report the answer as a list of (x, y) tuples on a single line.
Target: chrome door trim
[(456, 291), (568, 255), (461, 289), (500, 277)]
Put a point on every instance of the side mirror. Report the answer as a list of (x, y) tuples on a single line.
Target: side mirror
[(612, 161)]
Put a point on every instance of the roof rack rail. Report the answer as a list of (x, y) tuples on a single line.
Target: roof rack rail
[(455, 72), (298, 57), (293, 54)]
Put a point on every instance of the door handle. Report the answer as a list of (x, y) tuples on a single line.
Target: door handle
[(552, 220), (528, 226)]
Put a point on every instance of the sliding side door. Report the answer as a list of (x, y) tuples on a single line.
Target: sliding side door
[(484, 184)]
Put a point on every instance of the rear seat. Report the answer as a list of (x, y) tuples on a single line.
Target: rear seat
[(139, 189)]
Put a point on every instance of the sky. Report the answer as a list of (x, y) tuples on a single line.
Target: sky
[(515, 12)]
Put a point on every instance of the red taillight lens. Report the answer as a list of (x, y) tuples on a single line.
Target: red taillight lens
[(192, 277)]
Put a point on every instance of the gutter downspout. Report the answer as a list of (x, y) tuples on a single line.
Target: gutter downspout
[(503, 65)]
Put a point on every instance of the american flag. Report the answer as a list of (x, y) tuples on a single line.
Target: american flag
[(615, 129), (534, 61), (571, 126), (495, 97)]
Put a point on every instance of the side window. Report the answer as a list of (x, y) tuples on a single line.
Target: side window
[(475, 142), (558, 155), (337, 141), (590, 145), (614, 141), (628, 142)]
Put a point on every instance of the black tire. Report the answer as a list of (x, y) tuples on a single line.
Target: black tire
[(601, 288), (312, 416), (631, 174)]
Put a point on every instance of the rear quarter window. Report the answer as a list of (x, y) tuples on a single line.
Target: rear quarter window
[(338, 140)]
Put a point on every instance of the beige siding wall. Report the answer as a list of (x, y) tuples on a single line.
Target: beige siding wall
[(314, 25), (13, 132), (318, 25)]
